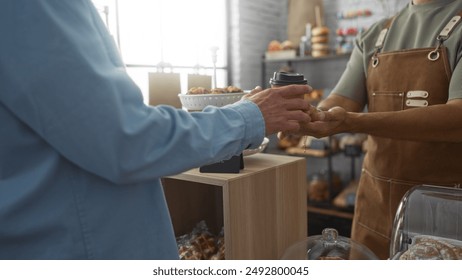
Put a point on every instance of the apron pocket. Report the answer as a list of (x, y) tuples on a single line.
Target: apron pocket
[(385, 101)]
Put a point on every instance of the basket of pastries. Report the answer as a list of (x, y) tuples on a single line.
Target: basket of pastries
[(197, 98)]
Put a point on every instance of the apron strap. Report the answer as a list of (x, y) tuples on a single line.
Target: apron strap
[(380, 40), (444, 35), (447, 30), (383, 34), (433, 55)]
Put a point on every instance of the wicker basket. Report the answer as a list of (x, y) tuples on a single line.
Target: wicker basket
[(197, 102)]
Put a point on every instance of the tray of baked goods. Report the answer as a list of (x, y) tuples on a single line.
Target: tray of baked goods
[(428, 225)]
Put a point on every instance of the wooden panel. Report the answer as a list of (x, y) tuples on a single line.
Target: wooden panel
[(190, 203), (267, 212), (292, 205), (251, 217)]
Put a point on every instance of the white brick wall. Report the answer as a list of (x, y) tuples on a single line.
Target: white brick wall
[(254, 23)]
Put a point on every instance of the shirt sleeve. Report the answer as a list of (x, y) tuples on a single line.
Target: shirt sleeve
[(61, 75), (352, 83), (455, 85)]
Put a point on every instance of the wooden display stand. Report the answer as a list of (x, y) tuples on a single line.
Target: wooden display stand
[(262, 209)]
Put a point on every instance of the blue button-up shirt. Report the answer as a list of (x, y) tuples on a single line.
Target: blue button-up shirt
[(80, 153)]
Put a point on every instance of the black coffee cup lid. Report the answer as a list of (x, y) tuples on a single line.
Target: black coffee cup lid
[(286, 78)]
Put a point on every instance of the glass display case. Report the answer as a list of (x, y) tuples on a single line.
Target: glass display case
[(328, 246), (428, 224)]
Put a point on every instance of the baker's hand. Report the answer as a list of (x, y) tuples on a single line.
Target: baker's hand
[(325, 123), (284, 108)]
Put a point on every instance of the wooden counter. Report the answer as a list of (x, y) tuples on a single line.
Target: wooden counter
[(262, 209)]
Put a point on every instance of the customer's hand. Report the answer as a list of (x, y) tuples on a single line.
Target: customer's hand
[(284, 108)]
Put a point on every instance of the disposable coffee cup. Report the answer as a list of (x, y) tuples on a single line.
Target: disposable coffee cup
[(280, 79)]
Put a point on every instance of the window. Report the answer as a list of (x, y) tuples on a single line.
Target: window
[(168, 35)]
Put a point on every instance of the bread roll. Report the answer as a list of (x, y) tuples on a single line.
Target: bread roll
[(320, 47), (198, 90), (431, 248), (274, 45), (233, 89), (319, 39), (217, 90), (287, 45), (318, 31)]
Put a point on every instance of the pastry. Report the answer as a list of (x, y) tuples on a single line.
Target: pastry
[(320, 31), (233, 89), (201, 90), (318, 189), (220, 254), (288, 141), (320, 47), (218, 90), (200, 244), (287, 45), (330, 258), (432, 248), (205, 244), (320, 39), (319, 53), (274, 45), (198, 90)]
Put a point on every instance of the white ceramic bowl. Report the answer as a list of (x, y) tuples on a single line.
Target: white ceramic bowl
[(260, 149), (197, 102)]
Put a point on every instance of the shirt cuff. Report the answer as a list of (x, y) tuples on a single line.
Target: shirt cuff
[(254, 123)]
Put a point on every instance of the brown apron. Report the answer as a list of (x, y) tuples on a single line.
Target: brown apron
[(402, 80)]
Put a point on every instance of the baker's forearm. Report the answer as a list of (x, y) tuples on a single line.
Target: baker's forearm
[(338, 100), (442, 123)]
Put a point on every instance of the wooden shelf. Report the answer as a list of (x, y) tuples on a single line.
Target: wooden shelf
[(330, 212), (298, 60), (305, 58), (262, 209), (296, 151)]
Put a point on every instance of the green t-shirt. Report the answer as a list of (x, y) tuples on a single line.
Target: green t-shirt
[(415, 26)]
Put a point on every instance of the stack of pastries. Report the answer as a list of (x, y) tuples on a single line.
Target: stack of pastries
[(320, 41)]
